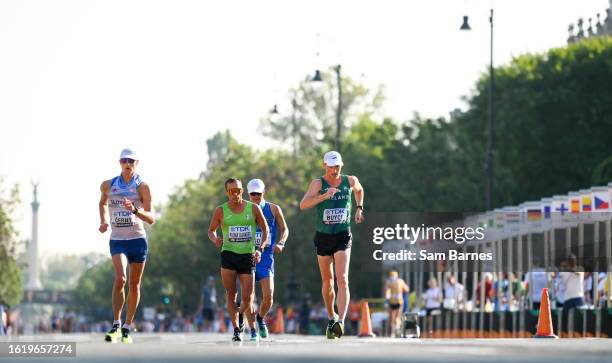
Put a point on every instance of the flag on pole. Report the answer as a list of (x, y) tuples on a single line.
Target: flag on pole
[(574, 202), (586, 206), (532, 214), (546, 213), (513, 220), (601, 203), (500, 224), (560, 211)]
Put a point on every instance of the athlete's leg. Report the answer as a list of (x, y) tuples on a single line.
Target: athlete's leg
[(119, 263), (228, 277), (136, 270), (393, 321), (342, 260), (247, 286), (327, 278), (267, 291)]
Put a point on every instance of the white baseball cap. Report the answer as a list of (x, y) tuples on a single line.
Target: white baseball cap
[(128, 153), (256, 186), (332, 158)]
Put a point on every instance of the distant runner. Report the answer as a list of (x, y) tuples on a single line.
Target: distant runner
[(127, 200), (395, 288), (331, 194)]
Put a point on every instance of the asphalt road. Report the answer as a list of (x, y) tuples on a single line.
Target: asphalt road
[(198, 347)]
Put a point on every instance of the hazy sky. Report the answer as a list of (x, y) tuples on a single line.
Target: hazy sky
[(79, 80)]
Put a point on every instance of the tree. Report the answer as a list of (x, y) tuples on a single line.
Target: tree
[(10, 273)]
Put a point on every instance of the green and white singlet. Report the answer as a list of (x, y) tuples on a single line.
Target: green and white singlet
[(239, 230), (334, 214)]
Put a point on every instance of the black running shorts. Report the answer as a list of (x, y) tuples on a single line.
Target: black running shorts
[(244, 264), (327, 244)]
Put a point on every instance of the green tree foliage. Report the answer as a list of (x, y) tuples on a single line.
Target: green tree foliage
[(10, 273), (63, 271), (92, 295), (553, 121)]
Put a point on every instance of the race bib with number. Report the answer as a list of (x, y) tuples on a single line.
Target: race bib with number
[(258, 235), (239, 234), (335, 215), (122, 218)]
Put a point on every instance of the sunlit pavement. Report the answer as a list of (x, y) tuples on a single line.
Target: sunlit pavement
[(198, 347)]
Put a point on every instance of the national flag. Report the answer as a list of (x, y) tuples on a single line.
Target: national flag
[(546, 212), (534, 214), (586, 204), (575, 206), (601, 204), (562, 209), (513, 217)]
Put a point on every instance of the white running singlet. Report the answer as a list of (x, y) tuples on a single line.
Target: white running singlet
[(124, 224)]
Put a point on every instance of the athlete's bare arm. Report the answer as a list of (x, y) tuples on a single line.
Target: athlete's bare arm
[(146, 213), (103, 206), (312, 196), (359, 194), (262, 224), (405, 287), (283, 230), (215, 222), (387, 291)]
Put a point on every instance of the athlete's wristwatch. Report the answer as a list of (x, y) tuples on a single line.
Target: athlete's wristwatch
[(359, 207), (135, 211)]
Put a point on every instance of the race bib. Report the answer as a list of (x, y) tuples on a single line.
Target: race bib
[(123, 218), (239, 234), (258, 235), (335, 215)]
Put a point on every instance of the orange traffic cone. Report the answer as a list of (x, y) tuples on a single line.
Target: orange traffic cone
[(366, 322), (279, 322), (222, 326), (545, 327)]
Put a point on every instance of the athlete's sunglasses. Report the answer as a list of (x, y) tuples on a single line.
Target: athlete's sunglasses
[(235, 190), (126, 161), (255, 194)]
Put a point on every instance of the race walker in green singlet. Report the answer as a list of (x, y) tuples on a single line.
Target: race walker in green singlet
[(239, 220), (331, 194)]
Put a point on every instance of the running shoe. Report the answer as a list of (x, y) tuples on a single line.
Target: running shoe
[(254, 335), (237, 335), (338, 329), (113, 334), (125, 336), (263, 328), (329, 331)]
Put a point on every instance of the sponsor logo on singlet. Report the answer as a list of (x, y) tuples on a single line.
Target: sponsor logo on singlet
[(122, 218), (335, 215), (239, 233)]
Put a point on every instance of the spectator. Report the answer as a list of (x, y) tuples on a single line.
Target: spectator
[(573, 279), (454, 294), (489, 293), (3, 317), (588, 288), (208, 304), (535, 281), (433, 298), (304, 317)]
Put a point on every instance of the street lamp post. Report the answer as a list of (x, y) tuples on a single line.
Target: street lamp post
[(491, 119), (317, 78)]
